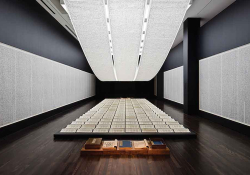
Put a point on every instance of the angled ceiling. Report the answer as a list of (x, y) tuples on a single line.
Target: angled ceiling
[(204, 9), (126, 40), (129, 40)]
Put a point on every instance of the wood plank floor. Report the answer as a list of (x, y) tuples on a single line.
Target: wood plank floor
[(216, 150)]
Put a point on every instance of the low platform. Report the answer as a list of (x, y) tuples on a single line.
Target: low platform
[(119, 118), (149, 152)]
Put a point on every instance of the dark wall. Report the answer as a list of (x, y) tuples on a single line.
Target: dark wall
[(125, 89), (27, 26), (174, 59), (226, 31)]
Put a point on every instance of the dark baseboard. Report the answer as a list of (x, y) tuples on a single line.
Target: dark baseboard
[(241, 128), (12, 128), (172, 103)]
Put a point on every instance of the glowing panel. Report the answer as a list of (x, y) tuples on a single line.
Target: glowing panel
[(89, 21), (126, 18), (164, 21)]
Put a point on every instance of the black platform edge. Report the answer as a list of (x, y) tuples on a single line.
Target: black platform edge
[(12, 128), (241, 128), (172, 103), (61, 136)]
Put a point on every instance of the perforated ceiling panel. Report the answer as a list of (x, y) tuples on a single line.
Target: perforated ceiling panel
[(126, 40), (88, 19), (164, 21), (126, 19)]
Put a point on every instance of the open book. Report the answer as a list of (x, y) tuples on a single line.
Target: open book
[(110, 145), (141, 144)]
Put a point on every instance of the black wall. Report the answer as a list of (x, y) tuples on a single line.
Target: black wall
[(27, 26), (125, 89), (228, 30)]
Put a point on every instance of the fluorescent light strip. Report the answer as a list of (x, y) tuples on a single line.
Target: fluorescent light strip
[(109, 35), (163, 25), (89, 21), (63, 5), (144, 31)]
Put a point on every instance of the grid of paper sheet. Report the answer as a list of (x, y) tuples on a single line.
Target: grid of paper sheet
[(125, 116)]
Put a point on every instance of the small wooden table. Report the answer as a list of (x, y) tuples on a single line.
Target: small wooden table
[(147, 151)]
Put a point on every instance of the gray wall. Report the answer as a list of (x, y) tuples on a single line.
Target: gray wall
[(31, 84), (225, 84), (173, 85)]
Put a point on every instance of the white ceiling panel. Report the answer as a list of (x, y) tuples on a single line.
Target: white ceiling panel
[(126, 18), (89, 21), (164, 22)]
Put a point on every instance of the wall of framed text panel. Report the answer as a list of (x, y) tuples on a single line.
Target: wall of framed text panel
[(173, 85), (31, 85), (224, 81)]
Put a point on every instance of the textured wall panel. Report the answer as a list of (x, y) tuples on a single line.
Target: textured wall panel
[(243, 79), (215, 84), (23, 84), (7, 90), (56, 85), (204, 84), (37, 79), (225, 84), (173, 85), (229, 84), (31, 85), (48, 99)]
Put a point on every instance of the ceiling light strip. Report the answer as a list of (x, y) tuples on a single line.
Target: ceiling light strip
[(144, 31), (163, 25), (89, 21), (106, 7)]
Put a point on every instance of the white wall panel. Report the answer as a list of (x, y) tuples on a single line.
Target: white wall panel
[(215, 90), (56, 85), (31, 85), (204, 84), (23, 85), (229, 84), (243, 79), (68, 84), (225, 83), (37, 79), (173, 85), (48, 99), (7, 90)]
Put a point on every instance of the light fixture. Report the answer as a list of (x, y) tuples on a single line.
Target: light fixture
[(163, 24), (63, 5), (90, 23), (143, 35), (126, 19), (126, 40)]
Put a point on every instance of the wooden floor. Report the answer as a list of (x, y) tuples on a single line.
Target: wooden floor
[(216, 150)]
